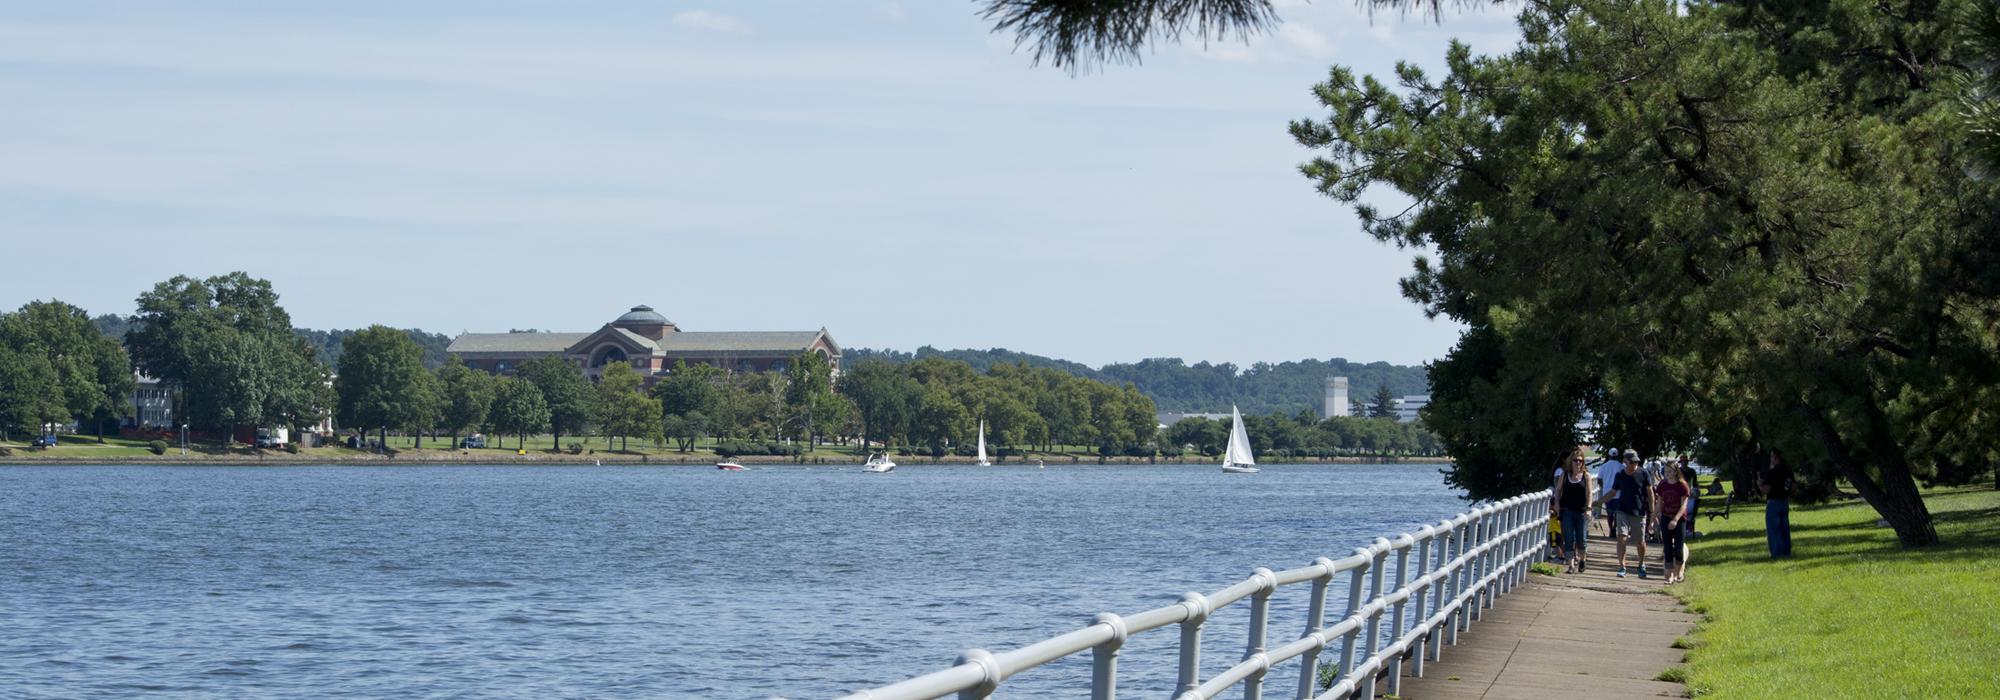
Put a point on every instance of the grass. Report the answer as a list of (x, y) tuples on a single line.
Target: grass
[(1545, 568), (1850, 614)]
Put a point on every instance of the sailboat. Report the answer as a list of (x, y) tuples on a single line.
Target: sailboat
[(1237, 458), (982, 445)]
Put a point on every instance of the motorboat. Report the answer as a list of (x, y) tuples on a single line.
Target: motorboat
[(879, 463), (1237, 459), (730, 467)]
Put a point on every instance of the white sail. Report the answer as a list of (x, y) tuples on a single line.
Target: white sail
[(982, 445), (1237, 458)]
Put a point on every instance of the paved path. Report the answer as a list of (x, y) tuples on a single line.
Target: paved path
[(1588, 635)]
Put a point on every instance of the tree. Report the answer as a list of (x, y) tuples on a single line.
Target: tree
[(940, 419), (885, 398), (518, 408), (1383, 405), (30, 391), (93, 376), (381, 382), (1668, 198), (624, 411), (468, 396), (688, 395), (571, 402), (1074, 35), (809, 394), (229, 347)]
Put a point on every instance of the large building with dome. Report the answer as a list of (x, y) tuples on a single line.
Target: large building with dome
[(649, 343)]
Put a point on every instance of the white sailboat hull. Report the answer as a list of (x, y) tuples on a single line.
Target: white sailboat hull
[(1238, 469)]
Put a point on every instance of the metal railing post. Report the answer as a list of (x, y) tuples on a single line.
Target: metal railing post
[(1376, 564), (1315, 619), (1355, 578), (1104, 659), (1429, 537), (1403, 545), (1260, 612), (1197, 613)]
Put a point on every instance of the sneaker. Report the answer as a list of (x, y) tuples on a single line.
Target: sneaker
[(1642, 572), (1621, 572)]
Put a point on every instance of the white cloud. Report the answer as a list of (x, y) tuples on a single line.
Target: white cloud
[(710, 21), (1306, 39)]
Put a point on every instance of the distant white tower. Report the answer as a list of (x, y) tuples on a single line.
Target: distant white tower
[(1336, 396)]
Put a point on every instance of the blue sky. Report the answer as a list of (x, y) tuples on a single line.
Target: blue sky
[(890, 170)]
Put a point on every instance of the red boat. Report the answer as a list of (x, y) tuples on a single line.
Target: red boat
[(730, 467)]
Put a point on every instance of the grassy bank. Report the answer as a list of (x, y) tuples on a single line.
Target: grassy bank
[(1850, 615)]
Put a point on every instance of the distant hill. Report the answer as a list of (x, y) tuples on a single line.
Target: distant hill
[(1174, 385)]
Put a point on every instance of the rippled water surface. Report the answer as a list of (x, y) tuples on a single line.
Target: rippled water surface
[(598, 582)]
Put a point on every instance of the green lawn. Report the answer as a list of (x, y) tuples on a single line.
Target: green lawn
[(1850, 615)]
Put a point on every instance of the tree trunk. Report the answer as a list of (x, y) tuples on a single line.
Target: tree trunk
[(1896, 496), (556, 434), (382, 439)]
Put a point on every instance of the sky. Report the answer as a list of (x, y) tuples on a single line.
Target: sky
[(892, 171)]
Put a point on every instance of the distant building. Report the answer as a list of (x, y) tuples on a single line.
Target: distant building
[(1408, 406), (1336, 397), (1168, 419), (649, 343), (152, 404)]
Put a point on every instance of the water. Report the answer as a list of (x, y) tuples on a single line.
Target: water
[(587, 582)]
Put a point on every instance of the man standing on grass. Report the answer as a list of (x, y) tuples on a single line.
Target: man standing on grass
[(1776, 485), (1631, 500)]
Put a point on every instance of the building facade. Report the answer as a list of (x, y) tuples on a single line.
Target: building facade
[(649, 343)]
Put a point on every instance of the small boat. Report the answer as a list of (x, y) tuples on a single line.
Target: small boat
[(1040, 465), (879, 463), (730, 467), (982, 445), (1237, 458)]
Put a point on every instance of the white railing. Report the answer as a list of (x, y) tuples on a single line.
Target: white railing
[(1463, 564)]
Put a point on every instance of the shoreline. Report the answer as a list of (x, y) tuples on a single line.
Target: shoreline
[(612, 459)]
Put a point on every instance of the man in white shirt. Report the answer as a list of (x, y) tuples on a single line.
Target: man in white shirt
[(1606, 473)]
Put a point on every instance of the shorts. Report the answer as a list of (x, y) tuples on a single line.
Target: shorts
[(1632, 524)]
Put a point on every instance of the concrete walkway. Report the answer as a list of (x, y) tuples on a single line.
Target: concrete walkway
[(1587, 635)]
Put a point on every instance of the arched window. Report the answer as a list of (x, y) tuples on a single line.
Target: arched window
[(607, 355)]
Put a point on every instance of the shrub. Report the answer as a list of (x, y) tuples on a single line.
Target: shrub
[(158, 447), (292, 447), (576, 448)]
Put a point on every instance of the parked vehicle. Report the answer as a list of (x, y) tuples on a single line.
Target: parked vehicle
[(43, 442), (473, 442)]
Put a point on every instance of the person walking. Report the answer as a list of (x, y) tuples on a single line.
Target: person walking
[(1631, 499), (1607, 471), (1693, 480), (1675, 497), (1775, 483), (1573, 492)]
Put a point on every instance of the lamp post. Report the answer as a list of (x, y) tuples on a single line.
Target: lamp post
[(184, 439)]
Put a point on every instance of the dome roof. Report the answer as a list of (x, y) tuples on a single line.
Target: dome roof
[(641, 315)]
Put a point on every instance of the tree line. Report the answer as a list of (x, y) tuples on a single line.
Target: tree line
[(228, 350), (1203, 387)]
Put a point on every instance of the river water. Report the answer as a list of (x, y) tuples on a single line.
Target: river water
[(664, 582)]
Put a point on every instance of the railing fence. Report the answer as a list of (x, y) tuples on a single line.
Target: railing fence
[(1463, 564)]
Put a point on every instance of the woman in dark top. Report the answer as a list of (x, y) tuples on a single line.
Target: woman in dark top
[(1674, 500), (1776, 484), (1573, 492)]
